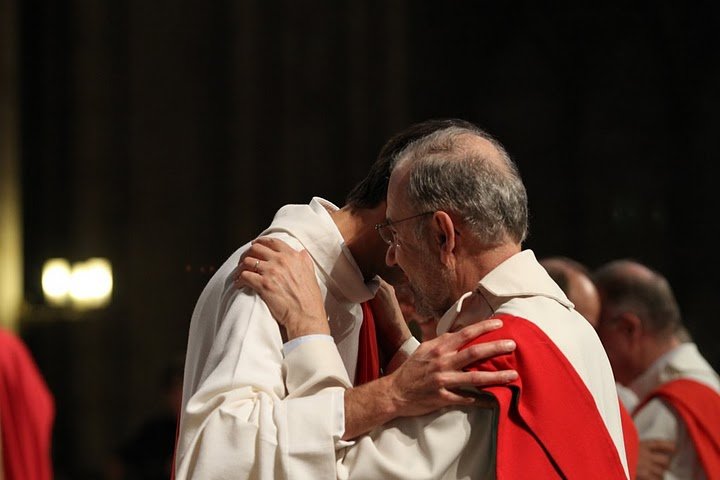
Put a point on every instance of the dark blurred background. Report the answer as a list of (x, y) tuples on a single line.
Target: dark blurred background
[(164, 134)]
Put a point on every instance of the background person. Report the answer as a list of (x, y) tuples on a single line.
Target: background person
[(574, 279), (641, 328)]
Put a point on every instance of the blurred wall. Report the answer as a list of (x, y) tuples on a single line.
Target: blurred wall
[(11, 264), (163, 135)]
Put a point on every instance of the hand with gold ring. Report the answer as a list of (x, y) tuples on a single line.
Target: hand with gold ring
[(286, 283)]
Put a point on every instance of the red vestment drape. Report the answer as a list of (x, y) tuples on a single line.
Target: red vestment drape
[(26, 413), (548, 424)]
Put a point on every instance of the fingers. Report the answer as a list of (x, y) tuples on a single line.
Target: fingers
[(385, 285), (655, 457), (250, 263), (481, 351), (453, 398), (449, 395), (267, 253), (274, 244), (248, 278), (265, 248), (258, 251), (657, 471), (248, 273), (660, 446), (479, 379), (457, 339)]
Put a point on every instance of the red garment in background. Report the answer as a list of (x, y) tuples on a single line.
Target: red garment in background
[(548, 425), (368, 364), (26, 413), (698, 406)]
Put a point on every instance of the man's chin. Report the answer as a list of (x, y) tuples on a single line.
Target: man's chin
[(423, 307), (394, 276)]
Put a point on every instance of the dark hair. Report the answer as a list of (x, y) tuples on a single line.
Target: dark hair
[(634, 287), (372, 190)]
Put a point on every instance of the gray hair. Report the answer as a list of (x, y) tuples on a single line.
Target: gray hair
[(448, 174)]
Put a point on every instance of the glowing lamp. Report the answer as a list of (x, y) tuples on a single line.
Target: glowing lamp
[(86, 285), (56, 281), (91, 283)]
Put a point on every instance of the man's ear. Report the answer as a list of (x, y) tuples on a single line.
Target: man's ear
[(630, 326), (444, 231)]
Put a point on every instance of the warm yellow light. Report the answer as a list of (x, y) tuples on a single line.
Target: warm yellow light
[(56, 280), (91, 283), (87, 284)]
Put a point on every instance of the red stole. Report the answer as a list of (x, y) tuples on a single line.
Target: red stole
[(368, 364), (548, 424), (699, 408), (26, 414), (632, 440)]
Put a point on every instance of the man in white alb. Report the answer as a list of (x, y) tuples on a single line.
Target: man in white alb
[(456, 218), (257, 407)]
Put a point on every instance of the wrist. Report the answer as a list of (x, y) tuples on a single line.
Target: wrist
[(395, 403), (303, 325), (391, 338), (369, 406), (403, 352), (399, 339)]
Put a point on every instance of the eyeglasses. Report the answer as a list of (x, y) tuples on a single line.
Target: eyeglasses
[(388, 234)]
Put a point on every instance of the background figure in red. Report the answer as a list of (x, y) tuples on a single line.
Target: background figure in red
[(27, 412), (650, 352)]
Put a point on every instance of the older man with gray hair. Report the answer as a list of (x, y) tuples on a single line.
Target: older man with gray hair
[(456, 220), (679, 392)]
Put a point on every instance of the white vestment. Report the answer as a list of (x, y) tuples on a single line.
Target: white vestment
[(627, 397), (656, 420), (458, 443), (248, 409)]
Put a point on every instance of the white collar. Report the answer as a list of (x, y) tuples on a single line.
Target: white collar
[(519, 276), (669, 366), (315, 229)]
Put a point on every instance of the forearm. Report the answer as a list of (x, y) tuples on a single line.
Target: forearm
[(369, 406), (314, 364)]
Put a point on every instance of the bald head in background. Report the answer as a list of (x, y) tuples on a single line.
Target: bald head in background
[(640, 317), (574, 279)]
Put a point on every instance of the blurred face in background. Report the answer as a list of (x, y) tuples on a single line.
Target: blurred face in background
[(620, 341)]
